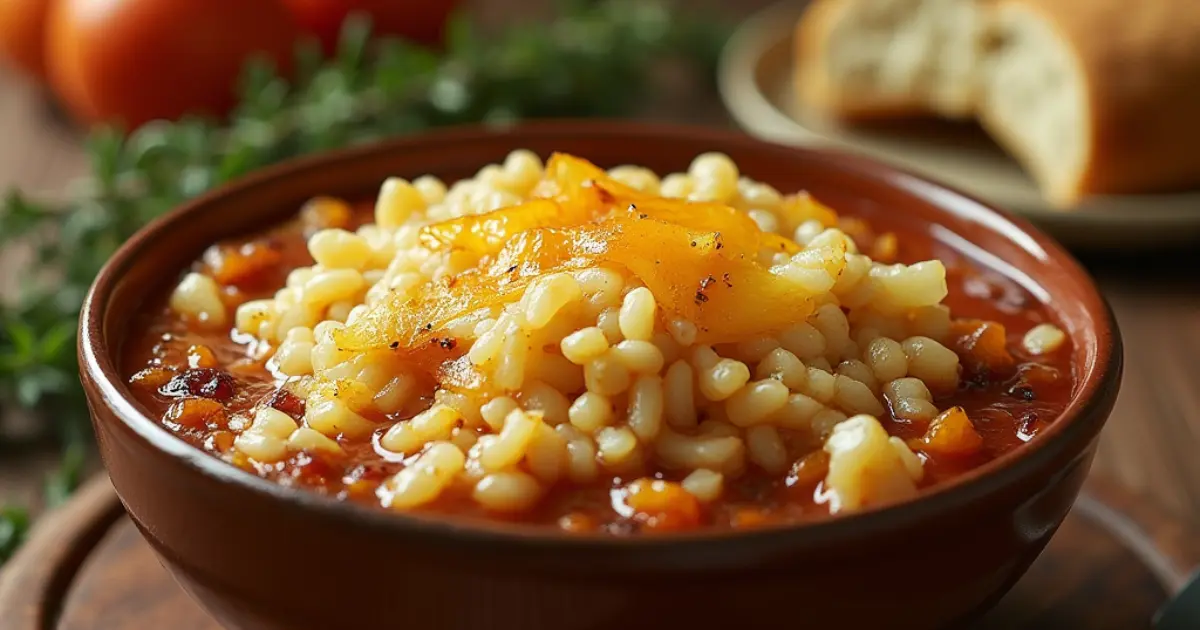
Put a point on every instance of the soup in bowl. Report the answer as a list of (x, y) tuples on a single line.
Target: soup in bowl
[(563, 375)]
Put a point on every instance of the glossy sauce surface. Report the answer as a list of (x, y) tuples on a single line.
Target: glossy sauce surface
[(170, 361)]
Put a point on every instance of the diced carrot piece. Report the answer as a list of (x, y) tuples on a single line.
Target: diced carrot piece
[(809, 470), (195, 412), (245, 264), (951, 433), (662, 505), (983, 347), (325, 212), (219, 441), (152, 377), (1039, 376), (200, 356)]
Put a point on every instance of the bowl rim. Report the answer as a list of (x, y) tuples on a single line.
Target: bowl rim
[(1085, 413)]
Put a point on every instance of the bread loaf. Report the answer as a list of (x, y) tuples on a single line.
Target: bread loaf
[(862, 59), (1091, 96), (1095, 96)]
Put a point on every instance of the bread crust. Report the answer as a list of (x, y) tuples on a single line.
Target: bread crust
[(1140, 66)]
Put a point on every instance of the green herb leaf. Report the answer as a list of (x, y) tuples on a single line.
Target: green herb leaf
[(63, 481), (14, 525)]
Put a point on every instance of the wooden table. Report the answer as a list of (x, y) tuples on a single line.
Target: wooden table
[(1151, 444)]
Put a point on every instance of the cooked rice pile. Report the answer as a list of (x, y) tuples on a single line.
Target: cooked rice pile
[(557, 325)]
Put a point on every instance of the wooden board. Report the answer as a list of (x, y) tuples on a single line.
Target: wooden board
[(1110, 567)]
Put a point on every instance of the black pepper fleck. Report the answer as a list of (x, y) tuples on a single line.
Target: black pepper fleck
[(975, 380), (1023, 392)]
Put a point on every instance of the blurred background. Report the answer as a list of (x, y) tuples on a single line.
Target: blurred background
[(113, 112)]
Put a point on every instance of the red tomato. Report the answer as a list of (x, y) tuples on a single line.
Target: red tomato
[(22, 28), (421, 21), (132, 61)]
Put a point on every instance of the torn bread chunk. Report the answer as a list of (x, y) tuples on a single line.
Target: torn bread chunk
[(1095, 96), (860, 59)]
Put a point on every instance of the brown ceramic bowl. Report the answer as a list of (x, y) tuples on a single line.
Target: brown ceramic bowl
[(262, 556)]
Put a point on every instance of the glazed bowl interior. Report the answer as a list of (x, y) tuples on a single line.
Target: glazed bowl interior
[(152, 260)]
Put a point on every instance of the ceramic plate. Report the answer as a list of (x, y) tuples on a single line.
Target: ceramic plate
[(756, 84)]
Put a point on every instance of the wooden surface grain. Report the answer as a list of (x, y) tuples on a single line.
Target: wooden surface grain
[(1150, 445)]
